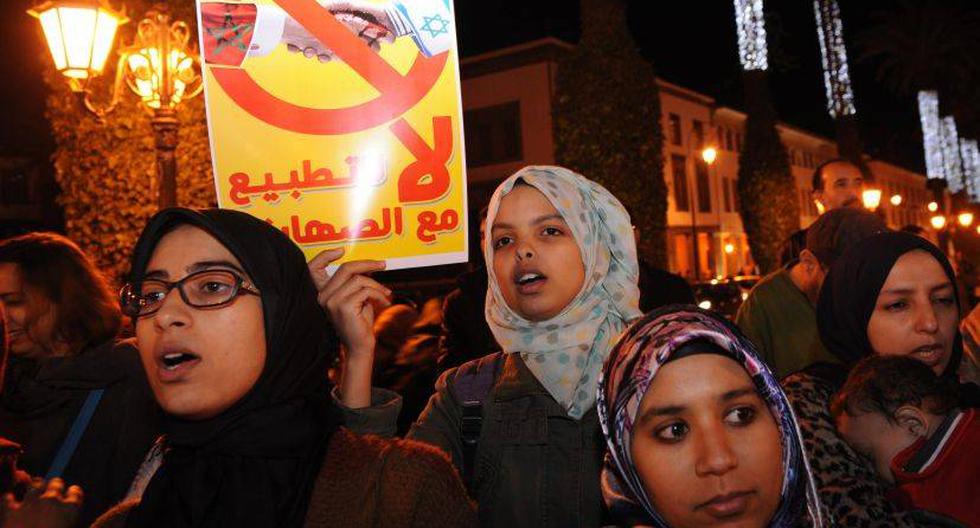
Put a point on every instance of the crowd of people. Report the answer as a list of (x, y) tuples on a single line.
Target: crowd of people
[(563, 383)]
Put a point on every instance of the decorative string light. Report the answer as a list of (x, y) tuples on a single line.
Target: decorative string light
[(929, 117), (971, 167), (750, 21), (952, 167), (836, 79)]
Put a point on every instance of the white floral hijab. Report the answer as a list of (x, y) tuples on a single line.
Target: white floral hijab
[(566, 352)]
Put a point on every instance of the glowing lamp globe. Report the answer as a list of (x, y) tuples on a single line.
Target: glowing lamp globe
[(871, 198), (709, 155), (896, 200), (933, 207), (79, 34), (938, 221), (965, 219)]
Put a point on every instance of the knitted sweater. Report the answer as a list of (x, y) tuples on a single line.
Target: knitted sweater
[(367, 481)]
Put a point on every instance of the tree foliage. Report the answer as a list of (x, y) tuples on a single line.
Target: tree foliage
[(107, 171), (607, 120), (920, 45), (770, 212)]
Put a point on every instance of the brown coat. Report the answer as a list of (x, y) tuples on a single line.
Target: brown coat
[(367, 481)]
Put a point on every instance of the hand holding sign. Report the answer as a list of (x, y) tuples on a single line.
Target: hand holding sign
[(352, 299)]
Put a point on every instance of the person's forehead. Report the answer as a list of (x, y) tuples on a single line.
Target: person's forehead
[(524, 203), (10, 276), (187, 244), (916, 270), (700, 377), (840, 170)]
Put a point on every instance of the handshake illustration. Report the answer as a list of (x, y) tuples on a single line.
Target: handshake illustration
[(372, 23), (234, 31)]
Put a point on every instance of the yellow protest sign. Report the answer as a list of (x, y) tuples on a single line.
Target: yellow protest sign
[(340, 123)]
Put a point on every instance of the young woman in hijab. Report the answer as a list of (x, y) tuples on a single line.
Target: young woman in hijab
[(68, 375), (699, 432), (563, 284), (894, 294), (237, 358)]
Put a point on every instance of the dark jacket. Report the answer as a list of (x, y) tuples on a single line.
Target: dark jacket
[(660, 288), (41, 400), (466, 335), (535, 466), (368, 482)]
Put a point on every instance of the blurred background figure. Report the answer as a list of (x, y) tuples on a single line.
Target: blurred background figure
[(12, 480), (413, 371), (75, 397), (466, 335), (837, 183), (392, 328)]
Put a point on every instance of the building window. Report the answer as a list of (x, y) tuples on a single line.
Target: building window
[(493, 134), (730, 137), (675, 129), (678, 165), (735, 200), (704, 186), (13, 186), (697, 128), (738, 141), (727, 195)]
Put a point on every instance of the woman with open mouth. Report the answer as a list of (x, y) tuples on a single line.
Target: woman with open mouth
[(698, 430), (236, 351), (894, 294), (521, 425)]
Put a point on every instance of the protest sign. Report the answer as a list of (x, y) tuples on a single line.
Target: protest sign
[(340, 123)]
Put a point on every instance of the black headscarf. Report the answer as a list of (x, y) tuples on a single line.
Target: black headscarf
[(850, 293), (255, 463)]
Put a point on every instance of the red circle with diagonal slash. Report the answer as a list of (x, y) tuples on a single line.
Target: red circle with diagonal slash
[(398, 93)]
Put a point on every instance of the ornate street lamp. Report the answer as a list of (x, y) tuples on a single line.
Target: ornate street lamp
[(160, 66), (79, 36)]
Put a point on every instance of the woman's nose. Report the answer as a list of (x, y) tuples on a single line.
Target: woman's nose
[(925, 319), (715, 455), (173, 311), (524, 251)]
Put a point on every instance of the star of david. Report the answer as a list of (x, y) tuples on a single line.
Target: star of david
[(229, 34), (435, 25)]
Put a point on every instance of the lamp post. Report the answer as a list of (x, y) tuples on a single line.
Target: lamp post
[(708, 155), (160, 67)]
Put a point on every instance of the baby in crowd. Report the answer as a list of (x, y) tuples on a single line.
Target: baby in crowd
[(897, 413)]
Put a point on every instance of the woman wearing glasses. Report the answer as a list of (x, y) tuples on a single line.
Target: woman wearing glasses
[(75, 397), (236, 351)]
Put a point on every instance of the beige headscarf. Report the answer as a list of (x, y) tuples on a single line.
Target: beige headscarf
[(566, 352)]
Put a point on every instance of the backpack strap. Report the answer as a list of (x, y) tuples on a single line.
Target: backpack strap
[(472, 384), (75, 434)]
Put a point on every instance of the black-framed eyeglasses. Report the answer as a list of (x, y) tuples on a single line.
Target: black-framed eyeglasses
[(201, 289)]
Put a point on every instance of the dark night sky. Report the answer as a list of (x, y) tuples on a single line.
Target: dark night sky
[(691, 43)]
